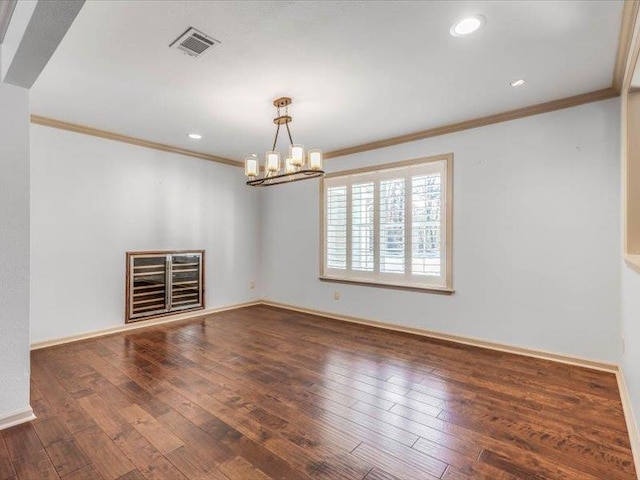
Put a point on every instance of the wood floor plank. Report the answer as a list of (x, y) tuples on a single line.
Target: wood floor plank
[(41, 407), (35, 465), (266, 461), (85, 473), (7, 472), (564, 449), (478, 471), (267, 393), (104, 415), (145, 457), (342, 467), (196, 438), (194, 466), (51, 430), (21, 440), (105, 457), (138, 449), (239, 469), (63, 404), (527, 466), (132, 475), (159, 436), (430, 469), (451, 449), (27, 454), (379, 474), (66, 457)]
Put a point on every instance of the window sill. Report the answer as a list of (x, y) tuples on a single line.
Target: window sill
[(414, 288), (633, 261)]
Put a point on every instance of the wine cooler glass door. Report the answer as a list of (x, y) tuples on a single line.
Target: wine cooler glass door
[(186, 281), (148, 285)]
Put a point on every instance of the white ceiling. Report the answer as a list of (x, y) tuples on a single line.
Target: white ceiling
[(358, 71)]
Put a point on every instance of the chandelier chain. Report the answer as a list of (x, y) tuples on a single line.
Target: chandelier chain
[(289, 132), (275, 140), (286, 112)]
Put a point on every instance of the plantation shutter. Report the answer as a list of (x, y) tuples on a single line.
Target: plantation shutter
[(387, 225)]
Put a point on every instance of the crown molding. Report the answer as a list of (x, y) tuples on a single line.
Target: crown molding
[(537, 109), (73, 127), (627, 27), (632, 60)]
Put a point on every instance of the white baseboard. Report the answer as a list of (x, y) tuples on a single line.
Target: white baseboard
[(142, 324), (555, 357), (476, 342), (16, 418), (568, 359), (632, 426)]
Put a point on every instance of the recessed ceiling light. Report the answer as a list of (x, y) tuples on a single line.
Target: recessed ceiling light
[(467, 25), (517, 83), (195, 136)]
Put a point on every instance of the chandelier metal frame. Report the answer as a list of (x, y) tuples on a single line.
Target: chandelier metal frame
[(312, 168)]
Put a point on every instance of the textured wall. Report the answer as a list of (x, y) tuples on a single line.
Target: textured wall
[(14, 249)]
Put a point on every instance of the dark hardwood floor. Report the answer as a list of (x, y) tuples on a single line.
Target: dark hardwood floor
[(263, 393)]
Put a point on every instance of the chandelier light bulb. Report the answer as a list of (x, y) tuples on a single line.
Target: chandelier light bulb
[(289, 166), (315, 160), (251, 167), (272, 162), (296, 153)]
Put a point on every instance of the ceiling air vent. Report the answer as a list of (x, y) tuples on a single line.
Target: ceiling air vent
[(194, 43)]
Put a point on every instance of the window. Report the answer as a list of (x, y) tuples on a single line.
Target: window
[(389, 224)]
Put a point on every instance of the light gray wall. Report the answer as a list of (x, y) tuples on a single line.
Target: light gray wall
[(536, 237), (14, 250), (94, 199)]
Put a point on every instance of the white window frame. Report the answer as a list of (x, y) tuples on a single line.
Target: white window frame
[(405, 169)]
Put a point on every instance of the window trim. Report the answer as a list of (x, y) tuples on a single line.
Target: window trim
[(447, 288)]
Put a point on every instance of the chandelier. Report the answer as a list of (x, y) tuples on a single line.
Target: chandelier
[(296, 167)]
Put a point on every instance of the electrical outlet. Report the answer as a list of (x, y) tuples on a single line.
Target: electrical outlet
[(336, 295), (252, 285)]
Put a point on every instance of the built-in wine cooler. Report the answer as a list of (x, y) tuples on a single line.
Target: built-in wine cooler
[(161, 283)]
